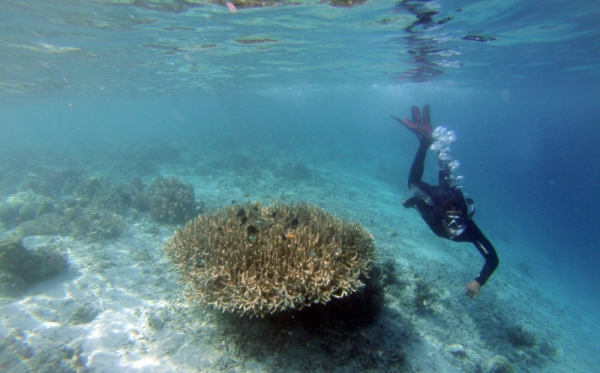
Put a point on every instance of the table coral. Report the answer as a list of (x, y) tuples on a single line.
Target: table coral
[(260, 260)]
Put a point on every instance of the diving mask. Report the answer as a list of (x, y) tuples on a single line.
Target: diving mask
[(455, 224)]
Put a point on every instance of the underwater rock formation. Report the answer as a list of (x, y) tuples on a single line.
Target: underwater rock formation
[(501, 364), (260, 260), (520, 337), (171, 200), (548, 349), (21, 267)]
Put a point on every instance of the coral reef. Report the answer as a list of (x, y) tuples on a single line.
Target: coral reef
[(259, 260), (52, 183), (22, 207), (93, 211), (171, 200), (71, 218), (91, 188), (98, 223), (21, 267)]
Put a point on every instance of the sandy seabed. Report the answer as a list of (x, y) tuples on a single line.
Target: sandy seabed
[(119, 307)]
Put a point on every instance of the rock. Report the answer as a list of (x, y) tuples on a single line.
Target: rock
[(83, 315), (456, 349), (501, 364), (21, 266)]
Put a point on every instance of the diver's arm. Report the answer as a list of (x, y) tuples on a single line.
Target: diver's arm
[(486, 249), (411, 202), (417, 203)]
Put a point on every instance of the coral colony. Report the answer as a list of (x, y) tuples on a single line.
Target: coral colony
[(259, 260)]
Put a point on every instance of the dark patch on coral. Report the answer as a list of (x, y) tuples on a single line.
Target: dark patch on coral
[(241, 213), (251, 230)]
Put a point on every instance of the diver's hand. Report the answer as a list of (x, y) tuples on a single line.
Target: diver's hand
[(472, 289), (404, 200)]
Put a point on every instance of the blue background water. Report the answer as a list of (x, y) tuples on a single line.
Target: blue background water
[(524, 107)]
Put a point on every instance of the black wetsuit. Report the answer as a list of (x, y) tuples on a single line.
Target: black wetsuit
[(429, 200)]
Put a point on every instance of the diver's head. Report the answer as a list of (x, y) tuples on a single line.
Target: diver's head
[(455, 223), (455, 219)]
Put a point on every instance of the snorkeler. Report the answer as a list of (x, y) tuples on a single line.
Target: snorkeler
[(444, 208)]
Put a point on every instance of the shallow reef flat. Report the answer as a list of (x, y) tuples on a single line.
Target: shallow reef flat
[(118, 305)]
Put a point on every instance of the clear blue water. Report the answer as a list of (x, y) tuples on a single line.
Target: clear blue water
[(525, 106)]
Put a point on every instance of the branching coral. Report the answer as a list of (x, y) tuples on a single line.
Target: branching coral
[(171, 200), (260, 260)]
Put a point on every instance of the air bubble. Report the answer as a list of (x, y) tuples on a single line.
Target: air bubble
[(443, 137)]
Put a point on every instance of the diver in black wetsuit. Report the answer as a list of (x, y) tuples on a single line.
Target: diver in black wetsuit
[(443, 207)]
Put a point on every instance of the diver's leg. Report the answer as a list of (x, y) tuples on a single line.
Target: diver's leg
[(418, 166), (420, 125)]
